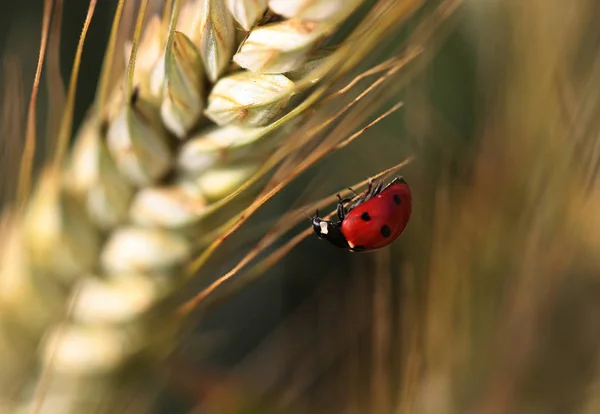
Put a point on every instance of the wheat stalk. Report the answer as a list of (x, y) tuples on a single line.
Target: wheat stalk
[(214, 97)]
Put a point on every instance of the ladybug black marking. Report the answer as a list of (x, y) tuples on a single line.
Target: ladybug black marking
[(385, 231), (329, 231), (369, 221)]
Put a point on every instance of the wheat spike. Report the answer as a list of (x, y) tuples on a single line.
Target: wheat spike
[(211, 95)]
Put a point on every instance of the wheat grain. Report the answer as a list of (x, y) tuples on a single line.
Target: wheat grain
[(247, 12)]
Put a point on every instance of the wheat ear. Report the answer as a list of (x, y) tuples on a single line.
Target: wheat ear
[(211, 101)]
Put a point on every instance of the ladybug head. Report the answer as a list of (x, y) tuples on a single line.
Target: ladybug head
[(330, 231)]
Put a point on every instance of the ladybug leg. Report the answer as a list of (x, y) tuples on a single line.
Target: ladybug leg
[(397, 180), (343, 200), (369, 188), (377, 189), (355, 193), (365, 196), (341, 211), (372, 192)]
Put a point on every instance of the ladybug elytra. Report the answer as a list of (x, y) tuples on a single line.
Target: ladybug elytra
[(374, 221)]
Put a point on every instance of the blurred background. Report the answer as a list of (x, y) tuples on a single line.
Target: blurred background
[(488, 303)]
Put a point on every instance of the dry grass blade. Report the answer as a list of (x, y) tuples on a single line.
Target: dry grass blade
[(107, 65), (54, 79), (384, 66), (66, 125), (139, 26), (396, 66), (352, 137), (387, 14), (28, 154)]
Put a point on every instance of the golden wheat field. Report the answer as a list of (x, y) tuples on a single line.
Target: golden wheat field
[(161, 162)]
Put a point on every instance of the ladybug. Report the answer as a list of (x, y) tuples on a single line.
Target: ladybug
[(374, 221)]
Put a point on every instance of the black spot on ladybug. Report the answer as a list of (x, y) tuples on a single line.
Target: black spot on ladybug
[(358, 248), (397, 199), (365, 216), (385, 231)]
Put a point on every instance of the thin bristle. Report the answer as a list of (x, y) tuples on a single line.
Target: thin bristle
[(28, 154), (54, 80), (139, 26), (66, 125), (107, 65)]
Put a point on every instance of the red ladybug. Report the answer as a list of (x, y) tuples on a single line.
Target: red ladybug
[(375, 220)]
